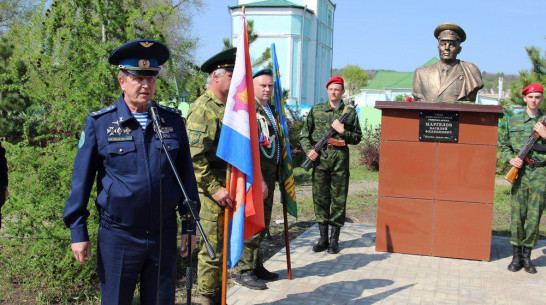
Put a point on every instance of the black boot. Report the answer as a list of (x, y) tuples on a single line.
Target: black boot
[(323, 240), (517, 261), (334, 239), (250, 280), (527, 263), (264, 274)]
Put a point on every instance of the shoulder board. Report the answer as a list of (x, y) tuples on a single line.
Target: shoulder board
[(105, 110), (170, 109)]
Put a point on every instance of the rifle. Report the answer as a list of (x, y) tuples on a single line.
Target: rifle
[(523, 154), (319, 147)]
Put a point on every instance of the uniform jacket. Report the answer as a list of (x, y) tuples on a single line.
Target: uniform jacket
[(462, 84), (319, 120), (517, 132), (126, 161), (273, 135), (204, 124)]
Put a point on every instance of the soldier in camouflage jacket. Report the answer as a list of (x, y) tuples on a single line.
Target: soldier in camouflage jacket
[(529, 188), (330, 173), (204, 123)]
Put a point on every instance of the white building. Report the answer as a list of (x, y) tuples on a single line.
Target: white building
[(302, 31)]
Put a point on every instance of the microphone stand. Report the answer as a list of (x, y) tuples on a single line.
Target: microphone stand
[(194, 217)]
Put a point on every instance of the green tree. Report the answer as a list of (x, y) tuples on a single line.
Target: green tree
[(355, 78), (14, 105), (252, 37), (537, 74)]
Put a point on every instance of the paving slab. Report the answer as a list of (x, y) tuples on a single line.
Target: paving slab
[(360, 275)]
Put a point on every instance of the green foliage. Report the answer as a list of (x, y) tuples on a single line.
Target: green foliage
[(537, 74), (37, 255), (355, 78), (14, 105), (369, 146)]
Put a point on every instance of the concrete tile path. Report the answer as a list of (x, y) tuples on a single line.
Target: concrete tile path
[(359, 275)]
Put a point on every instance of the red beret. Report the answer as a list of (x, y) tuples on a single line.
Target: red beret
[(335, 80), (532, 88)]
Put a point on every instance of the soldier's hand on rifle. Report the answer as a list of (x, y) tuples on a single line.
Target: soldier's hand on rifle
[(338, 126), (540, 129), (223, 197), (516, 162), (313, 155)]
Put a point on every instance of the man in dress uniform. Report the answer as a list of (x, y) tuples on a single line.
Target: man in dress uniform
[(330, 173), (250, 267), (204, 124), (3, 180), (449, 79), (118, 145), (529, 188)]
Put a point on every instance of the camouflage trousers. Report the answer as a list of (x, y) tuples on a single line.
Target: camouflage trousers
[(330, 187), (251, 257), (209, 271), (528, 202)]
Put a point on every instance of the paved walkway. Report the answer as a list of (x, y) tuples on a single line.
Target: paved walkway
[(359, 275)]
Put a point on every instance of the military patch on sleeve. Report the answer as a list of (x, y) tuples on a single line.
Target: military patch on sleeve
[(194, 137), (82, 140)]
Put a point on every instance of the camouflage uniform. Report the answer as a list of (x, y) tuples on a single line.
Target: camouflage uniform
[(251, 257), (529, 189), (204, 124), (330, 174)]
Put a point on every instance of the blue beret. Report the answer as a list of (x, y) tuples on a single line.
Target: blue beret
[(140, 57), (266, 71)]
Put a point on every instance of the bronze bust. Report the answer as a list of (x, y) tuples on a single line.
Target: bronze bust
[(449, 79)]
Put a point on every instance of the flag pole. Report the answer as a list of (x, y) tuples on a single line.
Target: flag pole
[(227, 211), (286, 236)]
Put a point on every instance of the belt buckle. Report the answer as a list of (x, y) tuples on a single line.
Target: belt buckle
[(329, 146)]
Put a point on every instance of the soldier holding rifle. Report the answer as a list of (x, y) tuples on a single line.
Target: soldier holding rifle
[(330, 170), (529, 187)]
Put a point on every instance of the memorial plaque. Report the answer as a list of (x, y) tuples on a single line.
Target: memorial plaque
[(438, 126)]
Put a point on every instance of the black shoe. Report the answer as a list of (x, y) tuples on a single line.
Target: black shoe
[(322, 243), (334, 240), (264, 274), (250, 280), (527, 263), (517, 261)]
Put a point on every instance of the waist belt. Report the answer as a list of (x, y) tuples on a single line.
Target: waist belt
[(336, 142)]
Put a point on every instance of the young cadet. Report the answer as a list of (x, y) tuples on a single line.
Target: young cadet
[(330, 173), (528, 190)]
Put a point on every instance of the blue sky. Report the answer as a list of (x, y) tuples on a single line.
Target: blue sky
[(398, 34)]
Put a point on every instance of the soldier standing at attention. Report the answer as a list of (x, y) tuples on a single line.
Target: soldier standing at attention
[(119, 146), (204, 124), (529, 188), (330, 173), (250, 267)]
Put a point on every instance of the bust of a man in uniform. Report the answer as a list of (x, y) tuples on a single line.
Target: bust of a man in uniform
[(449, 79)]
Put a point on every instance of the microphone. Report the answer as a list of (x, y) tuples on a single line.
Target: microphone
[(151, 106)]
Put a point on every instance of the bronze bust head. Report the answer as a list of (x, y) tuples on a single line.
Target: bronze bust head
[(450, 79)]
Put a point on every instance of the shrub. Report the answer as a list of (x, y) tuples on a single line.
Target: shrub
[(369, 146), (35, 243)]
